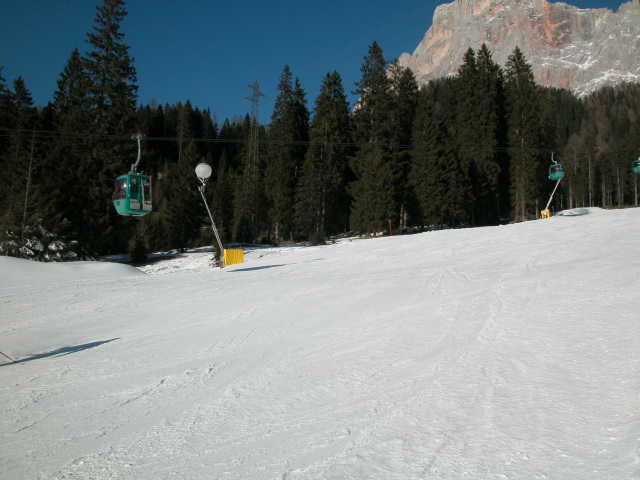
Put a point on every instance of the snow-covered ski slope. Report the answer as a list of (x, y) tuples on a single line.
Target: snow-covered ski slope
[(507, 352)]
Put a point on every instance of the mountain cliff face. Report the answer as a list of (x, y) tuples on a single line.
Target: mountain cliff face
[(568, 47)]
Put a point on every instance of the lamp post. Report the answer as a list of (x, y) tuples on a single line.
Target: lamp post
[(203, 172)]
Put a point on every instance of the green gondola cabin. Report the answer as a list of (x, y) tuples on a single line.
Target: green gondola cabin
[(556, 171), (635, 166), (132, 194)]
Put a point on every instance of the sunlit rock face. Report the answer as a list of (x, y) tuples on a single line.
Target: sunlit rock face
[(568, 47)]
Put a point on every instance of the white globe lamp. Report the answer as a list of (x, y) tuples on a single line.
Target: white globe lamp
[(203, 171)]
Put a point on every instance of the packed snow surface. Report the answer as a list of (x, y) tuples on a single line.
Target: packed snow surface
[(508, 352)]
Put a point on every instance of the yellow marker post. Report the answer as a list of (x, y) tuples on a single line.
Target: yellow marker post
[(233, 256)]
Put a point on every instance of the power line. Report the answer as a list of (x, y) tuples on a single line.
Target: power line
[(241, 141)]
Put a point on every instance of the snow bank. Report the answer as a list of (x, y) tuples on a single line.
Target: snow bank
[(576, 212), (20, 272)]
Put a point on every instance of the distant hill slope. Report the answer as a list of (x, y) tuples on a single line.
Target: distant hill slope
[(568, 47)]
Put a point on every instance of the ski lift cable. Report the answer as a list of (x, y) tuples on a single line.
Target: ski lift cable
[(240, 141)]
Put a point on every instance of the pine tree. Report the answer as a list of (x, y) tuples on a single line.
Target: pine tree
[(279, 161), (111, 71), (6, 122), (404, 93), (436, 173), (372, 192), (478, 125), (209, 130), (321, 200), (113, 94), (468, 118), (523, 116), (18, 163), (373, 108), (63, 208), (222, 197), (249, 209), (229, 135), (184, 213), (372, 126), (25, 113), (285, 153)]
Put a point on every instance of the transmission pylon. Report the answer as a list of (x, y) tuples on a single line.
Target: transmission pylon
[(254, 149), (252, 174), (255, 100)]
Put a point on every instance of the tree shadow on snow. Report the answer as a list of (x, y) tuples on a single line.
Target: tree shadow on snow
[(59, 352), (249, 269)]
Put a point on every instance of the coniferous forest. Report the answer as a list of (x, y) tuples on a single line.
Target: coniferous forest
[(473, 149)]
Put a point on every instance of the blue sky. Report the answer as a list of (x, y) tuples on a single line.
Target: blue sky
[(208, 51)]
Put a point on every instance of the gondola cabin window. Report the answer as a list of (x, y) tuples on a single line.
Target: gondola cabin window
[(120, 190), (134, 187), (146, 194), (134, 194)]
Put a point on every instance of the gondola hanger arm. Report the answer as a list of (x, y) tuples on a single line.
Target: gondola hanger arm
[(138, 137)]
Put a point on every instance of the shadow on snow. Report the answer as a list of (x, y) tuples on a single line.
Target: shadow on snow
[(249, 269), (59, 352)]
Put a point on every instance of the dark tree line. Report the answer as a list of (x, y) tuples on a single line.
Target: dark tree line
[(472, 149)]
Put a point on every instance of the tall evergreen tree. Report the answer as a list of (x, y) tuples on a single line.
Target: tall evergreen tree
[(321, 203), (372, 128), (373, 205), (6, 123), (436, 174), (229, 135), (404, 94), (19, 159), (523, 117), (64, 209), (184, 212), (287, 135), (71, 99), (249, 210), (5, 114), (25, 113), (111, 71), (373, 108), (113, 94), (467, 122), (478, 127), (222, 197)]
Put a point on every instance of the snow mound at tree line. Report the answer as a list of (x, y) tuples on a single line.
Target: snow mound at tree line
[(17, 272), (41, 245)]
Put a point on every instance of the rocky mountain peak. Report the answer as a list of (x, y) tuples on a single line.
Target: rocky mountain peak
[(568, 47)]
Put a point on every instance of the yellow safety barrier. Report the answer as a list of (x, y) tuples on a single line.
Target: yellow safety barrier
[(233, 256)]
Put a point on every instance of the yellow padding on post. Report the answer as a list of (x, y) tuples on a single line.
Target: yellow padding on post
[(231, 257)]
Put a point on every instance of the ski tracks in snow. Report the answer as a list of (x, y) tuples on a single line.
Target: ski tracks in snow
[(480, 357)]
